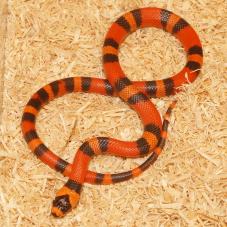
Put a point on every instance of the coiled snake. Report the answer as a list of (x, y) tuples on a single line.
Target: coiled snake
[(135, 94)]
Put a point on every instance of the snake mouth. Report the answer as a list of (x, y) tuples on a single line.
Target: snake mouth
[(61, 205)]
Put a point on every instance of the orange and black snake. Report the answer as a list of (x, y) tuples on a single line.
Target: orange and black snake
[(135, 94)]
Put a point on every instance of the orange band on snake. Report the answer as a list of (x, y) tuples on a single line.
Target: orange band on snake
[(135, 94)]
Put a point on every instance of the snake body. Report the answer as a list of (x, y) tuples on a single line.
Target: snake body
[(135, 94)]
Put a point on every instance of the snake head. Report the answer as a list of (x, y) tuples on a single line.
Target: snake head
[(61, 205), (65, 200)]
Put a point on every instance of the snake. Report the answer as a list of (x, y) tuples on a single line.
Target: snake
[(136, 94)]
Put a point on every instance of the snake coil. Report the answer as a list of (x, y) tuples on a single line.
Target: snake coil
[(135, 94)]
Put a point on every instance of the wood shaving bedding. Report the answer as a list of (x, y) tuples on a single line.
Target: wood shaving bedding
[(50, 39)]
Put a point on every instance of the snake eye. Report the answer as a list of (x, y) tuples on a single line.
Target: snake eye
[(62, 203)]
